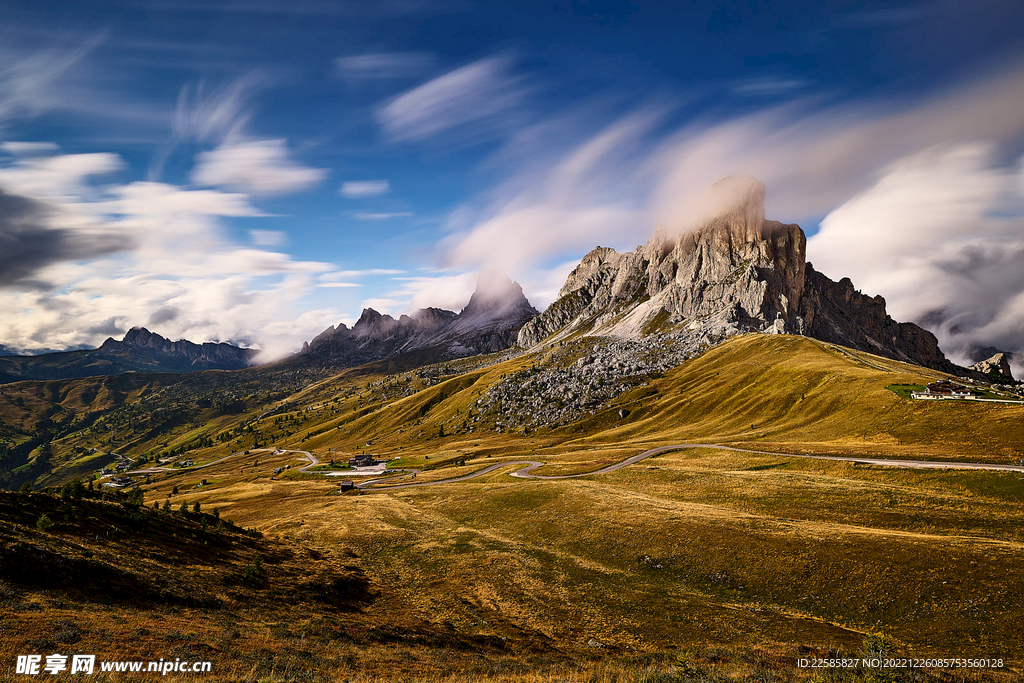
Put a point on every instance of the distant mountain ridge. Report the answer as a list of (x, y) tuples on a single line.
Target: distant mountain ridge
[(139, 351), (738, 272), (489, 322)]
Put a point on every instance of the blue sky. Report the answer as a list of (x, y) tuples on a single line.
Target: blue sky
[(255, 171)]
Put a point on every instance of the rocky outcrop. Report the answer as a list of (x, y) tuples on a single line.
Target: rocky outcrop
[(735, 273), (489, 322), (997, 365)]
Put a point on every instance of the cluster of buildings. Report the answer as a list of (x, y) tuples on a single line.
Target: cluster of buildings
[(363, 460), (943, 389)]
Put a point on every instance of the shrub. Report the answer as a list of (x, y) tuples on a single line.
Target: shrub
[(44, 522)]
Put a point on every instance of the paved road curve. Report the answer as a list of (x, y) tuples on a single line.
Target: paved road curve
[(530, 465)]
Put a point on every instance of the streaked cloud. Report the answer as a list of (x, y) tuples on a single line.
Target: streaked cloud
[(213, 113), (28, 148), (768, 86), (480, 96), (31, 238), (382, 216), (259, 167), (268, 238), (340, 274), (355, 189), (384, 66)]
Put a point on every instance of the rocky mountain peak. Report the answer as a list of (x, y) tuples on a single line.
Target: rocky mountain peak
[(734, 272), (140, 336), (496, 292), (997, 364)]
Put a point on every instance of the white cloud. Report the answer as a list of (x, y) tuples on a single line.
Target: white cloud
[(594, 194), (57, 176), (382, 66), (160, 201), (450, 291), (476, 96), (382, 216), (268, 238), (932, 235), (355, 189), (261, 167), (338, 284), (142, 254)]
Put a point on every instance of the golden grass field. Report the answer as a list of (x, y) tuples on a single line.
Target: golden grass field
[(695, 565)]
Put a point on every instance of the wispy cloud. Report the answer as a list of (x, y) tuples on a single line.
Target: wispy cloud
[(382, 216), (28, 148), (268, 238), (341, 274), (481, 96), (384, 66), (355, 189), (260, 167), (768, 86), (29, 83), (448, 290)]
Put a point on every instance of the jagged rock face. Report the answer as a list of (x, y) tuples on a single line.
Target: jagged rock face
[(735, 273), (493, 317), (997, 364), (490, 322), (836, 312)]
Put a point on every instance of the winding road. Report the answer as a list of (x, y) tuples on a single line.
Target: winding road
[(530, 465)]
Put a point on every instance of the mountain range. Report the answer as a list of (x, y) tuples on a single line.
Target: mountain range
[(737, 272), (139, 351), (489, 322)]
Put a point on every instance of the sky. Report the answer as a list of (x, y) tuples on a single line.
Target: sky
[(255, 171)]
